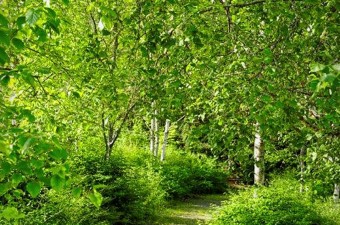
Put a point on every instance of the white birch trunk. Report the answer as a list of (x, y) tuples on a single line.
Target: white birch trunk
[(152, 136), (152, 131), (336, 193), (156, 135), (166, 133), (259, 158)]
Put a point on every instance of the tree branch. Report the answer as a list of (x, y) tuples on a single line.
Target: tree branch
[(241, 5), (227, 12)]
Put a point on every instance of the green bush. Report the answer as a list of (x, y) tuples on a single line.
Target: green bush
[(134, 186), (131, 190), (186, 174), (61, 208), (279, 204)]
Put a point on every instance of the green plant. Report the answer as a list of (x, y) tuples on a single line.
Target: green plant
[(186, 174), (280, 203), (130, 190)]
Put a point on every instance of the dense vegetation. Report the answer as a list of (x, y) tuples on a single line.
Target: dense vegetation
[(88, 87), (280, 203)]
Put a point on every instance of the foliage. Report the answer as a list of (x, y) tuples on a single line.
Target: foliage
[(280, 203), (185, 174), (76, 76), (131, 191)]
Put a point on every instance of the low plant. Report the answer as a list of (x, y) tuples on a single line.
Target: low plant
[(279, 204), (186, 174)]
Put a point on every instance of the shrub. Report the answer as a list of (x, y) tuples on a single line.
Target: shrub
[(186, 174), (131, 190), (61, 208), (279, 204)]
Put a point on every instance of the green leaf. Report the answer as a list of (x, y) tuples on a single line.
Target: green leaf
[(316, 67), (10, 213), (66, 2), (37, 163), (314, 156), (18, 193), (28, 78), (3, 21), (33, 188), (51, 13), (76, 94), (314, 84), (336, 67), (268, 55), (5, 168), (19, 44), (28, 114), (4, 38), (57, 182), (76, 192), (32, 16), (27, 144), (4, 188), (41, 33), (59, 154), (16, 179), (106, 32), (329, 78), (4, 80), (21, 21), (3, 56), (24, 167), (96, 198)]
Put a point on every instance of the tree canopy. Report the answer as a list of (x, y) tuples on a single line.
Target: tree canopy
[(78, 76)]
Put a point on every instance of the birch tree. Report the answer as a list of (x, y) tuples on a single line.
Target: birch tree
[(165, 140), (259, 158)]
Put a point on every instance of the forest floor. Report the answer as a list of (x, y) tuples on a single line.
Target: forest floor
[(193, 211)]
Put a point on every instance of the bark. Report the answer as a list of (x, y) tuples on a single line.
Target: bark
[(152, 136), (156, 134), (165, 142), (152, 131), (111, 134), (336, 193), (259, 158)]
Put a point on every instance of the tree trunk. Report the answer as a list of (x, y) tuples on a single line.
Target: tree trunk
[(259, 158), (166, 133), (156, 134), (302, 168), (113, 133), (152, 136), (336, 193)]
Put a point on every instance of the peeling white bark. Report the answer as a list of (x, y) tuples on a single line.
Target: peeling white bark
[(156, 134), (152, 131), (152, 136), (259, 158), (336, 193), (165, 142)]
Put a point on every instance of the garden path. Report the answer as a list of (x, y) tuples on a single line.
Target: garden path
[(193, 211)]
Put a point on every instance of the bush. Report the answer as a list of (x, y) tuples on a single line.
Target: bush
[(133, 184), (61, 208), (186, 174), (130, 190), (279, 204)]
